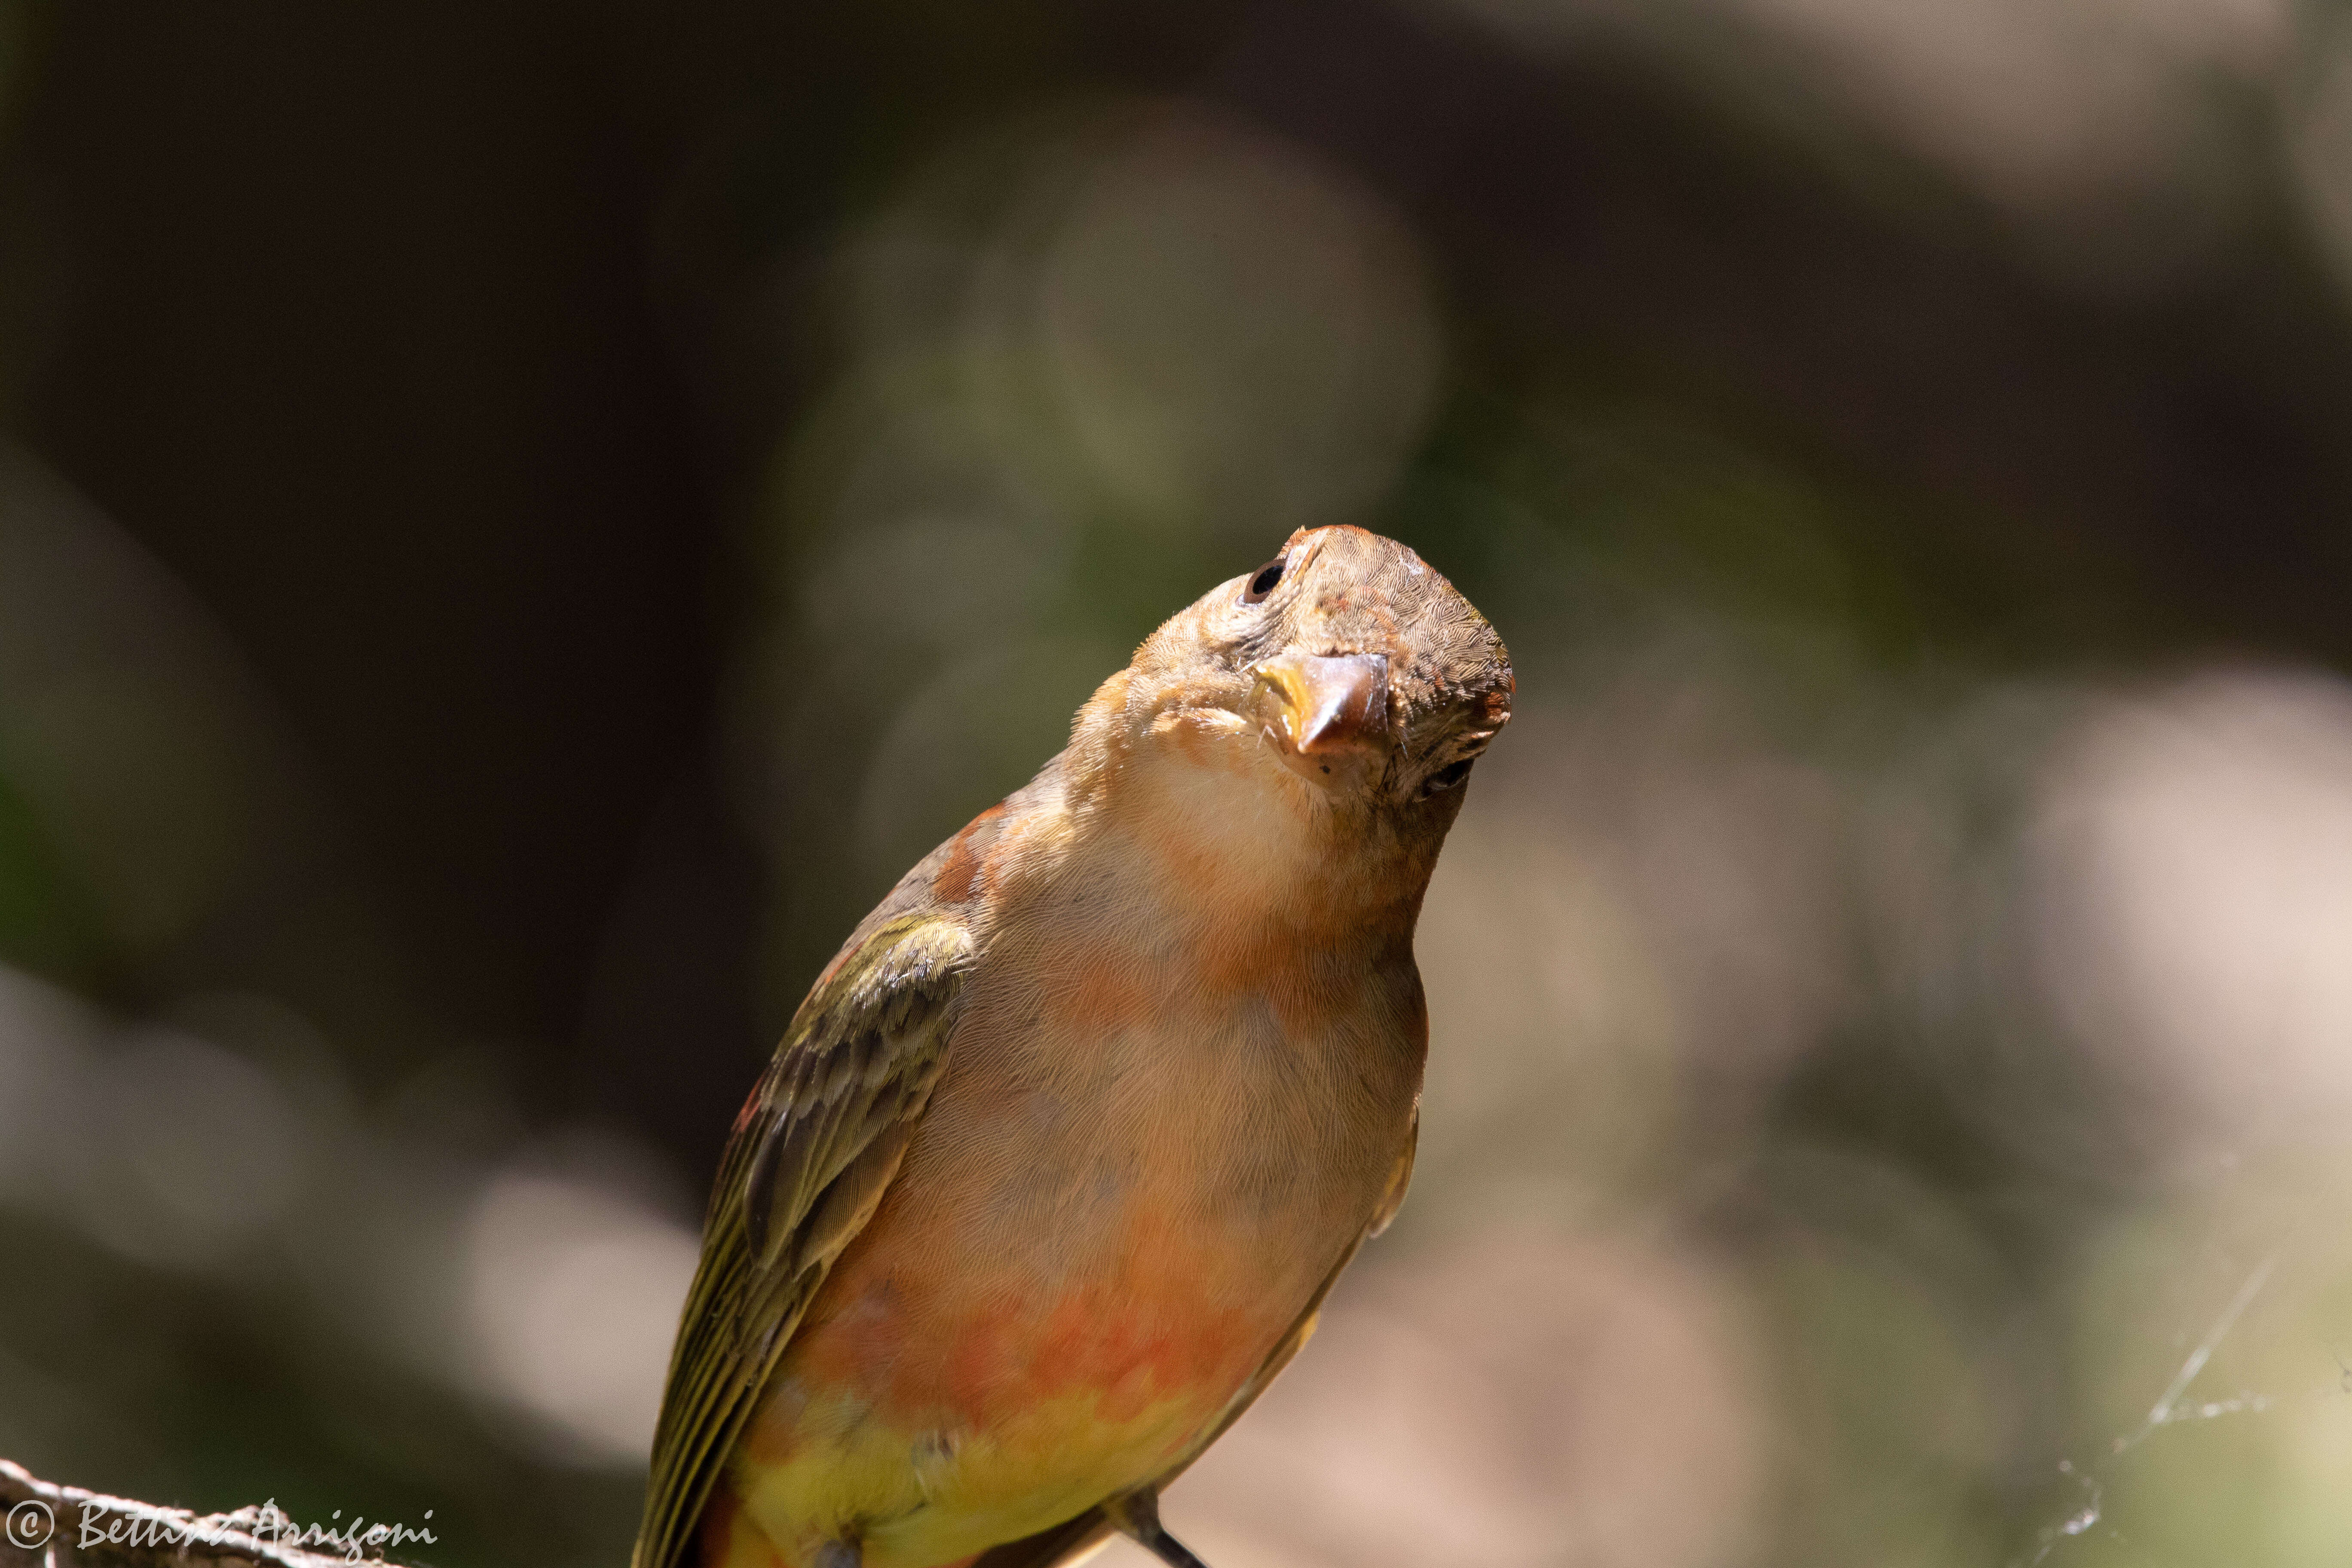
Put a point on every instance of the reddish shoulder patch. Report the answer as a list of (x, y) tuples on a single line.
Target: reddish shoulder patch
[(951, 884), (750, 1108)]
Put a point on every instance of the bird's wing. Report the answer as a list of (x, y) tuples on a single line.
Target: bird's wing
[(817, 1142), (1075, 1538)]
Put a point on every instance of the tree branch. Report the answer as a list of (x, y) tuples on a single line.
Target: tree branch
[(50, 1526)]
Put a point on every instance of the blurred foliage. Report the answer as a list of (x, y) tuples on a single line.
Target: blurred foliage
[(518, 525)]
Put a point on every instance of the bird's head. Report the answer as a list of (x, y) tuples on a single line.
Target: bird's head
[(1345, 661)]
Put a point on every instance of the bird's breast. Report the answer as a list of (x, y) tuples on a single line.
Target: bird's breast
[(1155, 1138)]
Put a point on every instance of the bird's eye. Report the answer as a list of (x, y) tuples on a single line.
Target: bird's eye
[(1262, 584), (1447, 778)]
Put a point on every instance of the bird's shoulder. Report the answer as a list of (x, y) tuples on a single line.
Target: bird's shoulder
[(959, 883)]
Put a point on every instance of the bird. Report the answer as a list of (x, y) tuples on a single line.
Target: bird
[(1055, 1163)]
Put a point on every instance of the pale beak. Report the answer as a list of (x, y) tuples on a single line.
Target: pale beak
[(1326, 708)]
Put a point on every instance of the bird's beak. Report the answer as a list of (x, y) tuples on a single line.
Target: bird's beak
[(1328, 712)]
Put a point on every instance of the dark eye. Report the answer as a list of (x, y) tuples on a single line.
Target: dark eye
[(1262, 584), (1447, 778)]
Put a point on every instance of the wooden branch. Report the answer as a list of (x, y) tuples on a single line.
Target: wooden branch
[(50, 1526)]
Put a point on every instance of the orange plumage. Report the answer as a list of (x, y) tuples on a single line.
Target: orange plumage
[(1062, 1153)]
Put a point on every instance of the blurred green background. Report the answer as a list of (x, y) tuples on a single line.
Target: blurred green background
[(518, 522)]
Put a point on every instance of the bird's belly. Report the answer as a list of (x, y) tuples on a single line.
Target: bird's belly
[(1125, 1193), (931, 1406)]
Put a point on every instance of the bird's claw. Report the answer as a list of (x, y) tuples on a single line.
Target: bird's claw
[(1136, 1516)]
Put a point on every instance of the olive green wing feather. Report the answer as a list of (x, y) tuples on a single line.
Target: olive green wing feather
[(1075, 1538), (816, 1144)]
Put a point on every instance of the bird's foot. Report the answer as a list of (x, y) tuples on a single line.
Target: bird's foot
[(839, 1554), (1136, 1515)]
